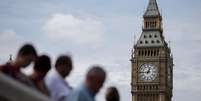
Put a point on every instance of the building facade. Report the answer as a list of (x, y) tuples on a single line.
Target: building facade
[(152, 62)]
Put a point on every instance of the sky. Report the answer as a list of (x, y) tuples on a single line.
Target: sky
[(102, 32)]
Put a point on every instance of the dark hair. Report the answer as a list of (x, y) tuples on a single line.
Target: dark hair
[(112, 94), (64, 60), (27, 49), (96, 69), (42, 63)]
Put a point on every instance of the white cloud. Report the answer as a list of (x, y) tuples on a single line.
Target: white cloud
[(67, 27)]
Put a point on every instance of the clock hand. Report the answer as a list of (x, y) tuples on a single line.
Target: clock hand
[(148, 70)]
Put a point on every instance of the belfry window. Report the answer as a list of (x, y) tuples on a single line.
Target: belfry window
[(145, 54), (151, 52), (139, 53), (146, 24), (148, 52), (142, 53), (154, 52)]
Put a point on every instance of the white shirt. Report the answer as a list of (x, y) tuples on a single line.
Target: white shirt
[(57, 86)]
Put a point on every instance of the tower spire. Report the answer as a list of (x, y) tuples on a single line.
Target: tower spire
[(152, 53), (152, 9), (152, 34)]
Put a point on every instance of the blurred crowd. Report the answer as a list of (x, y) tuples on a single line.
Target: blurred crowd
[(50, 81)]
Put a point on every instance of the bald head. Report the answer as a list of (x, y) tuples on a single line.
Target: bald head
[(95, 78), (96, 71)]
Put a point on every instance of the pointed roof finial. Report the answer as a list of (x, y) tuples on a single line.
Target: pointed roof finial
[(10, 58), (169, 43), (152, 9)]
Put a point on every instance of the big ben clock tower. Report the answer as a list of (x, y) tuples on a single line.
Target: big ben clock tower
[(152, 62)]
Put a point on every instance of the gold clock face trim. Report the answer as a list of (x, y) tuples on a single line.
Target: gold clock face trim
[(148, 72)]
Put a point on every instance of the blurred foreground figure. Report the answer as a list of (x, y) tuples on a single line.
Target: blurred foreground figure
[(55, 80), (112, 94), (25, 56), (93, 82), (41, 67)]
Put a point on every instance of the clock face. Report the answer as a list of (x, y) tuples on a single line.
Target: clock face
[(148, 72)]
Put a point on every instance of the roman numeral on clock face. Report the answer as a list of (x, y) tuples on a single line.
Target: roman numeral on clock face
[(147, 72)]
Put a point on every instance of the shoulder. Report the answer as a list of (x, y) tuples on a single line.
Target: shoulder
[(75, 95), (51, 78), (78, 94), (55, 83)]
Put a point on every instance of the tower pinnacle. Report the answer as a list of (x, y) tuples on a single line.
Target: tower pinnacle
[(152, 9)]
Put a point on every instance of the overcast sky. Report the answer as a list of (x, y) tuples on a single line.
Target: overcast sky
[(102, 32)]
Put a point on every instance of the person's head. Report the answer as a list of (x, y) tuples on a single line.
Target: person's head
[(42, 65), (112, 94), (26, 55), (64, 65), (95, 78)]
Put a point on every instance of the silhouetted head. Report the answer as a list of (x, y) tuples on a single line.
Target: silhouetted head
[(26, 55), (112, 94), (95, 78), (42, 65), (64, 65)]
